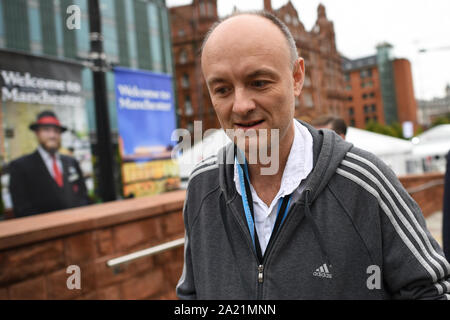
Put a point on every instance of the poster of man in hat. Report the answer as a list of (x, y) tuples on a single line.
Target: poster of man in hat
[(43, 116), (46, 180)]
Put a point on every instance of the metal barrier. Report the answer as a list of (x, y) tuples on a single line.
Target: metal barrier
[(117, 262), (425, 186)]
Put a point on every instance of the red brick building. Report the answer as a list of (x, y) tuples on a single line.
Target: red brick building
[(189, 24), (323, 91), (385, 96), (324, 83)]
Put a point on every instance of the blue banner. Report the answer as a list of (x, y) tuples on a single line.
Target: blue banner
[(145, 112)]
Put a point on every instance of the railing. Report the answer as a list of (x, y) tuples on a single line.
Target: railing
[(117, 262), (425, 186)]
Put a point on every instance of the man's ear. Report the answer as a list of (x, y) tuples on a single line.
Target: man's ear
[(299, 76)]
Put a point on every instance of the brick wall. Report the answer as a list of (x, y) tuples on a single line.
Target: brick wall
[(431, 199), (36, 251)]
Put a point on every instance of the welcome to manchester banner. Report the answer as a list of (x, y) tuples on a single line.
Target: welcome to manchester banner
[(146, 120), (30, 84)]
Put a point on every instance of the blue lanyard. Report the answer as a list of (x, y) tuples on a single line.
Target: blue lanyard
[(246, 204)]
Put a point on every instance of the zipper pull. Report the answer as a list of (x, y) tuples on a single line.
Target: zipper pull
[(260, 273)]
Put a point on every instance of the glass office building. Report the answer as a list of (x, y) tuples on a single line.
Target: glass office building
[(136, 35)]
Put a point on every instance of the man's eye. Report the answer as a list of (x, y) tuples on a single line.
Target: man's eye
[(260, 83), (221, 90)]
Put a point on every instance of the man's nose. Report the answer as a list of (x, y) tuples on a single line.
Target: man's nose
[(243, 103), (54, 133)]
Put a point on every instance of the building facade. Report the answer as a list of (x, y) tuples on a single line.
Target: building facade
[(323, 91), (136, 35), (189, 24), (379, 88), (430, 110)]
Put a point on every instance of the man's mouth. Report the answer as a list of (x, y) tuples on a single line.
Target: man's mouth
[(248, 124)]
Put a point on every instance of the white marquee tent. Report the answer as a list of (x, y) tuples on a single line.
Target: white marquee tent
[(402, 156)]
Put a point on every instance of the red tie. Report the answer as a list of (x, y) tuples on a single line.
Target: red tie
[(57, 174)]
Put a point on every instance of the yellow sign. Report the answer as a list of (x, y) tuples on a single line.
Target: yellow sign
[(150, 178)]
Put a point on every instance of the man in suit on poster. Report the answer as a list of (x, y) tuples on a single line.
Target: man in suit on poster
[(45, 180)]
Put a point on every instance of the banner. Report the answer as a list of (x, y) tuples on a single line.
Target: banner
[(146, 120), (30, 84)]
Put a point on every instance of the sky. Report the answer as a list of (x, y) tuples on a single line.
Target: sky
[(359, 25)]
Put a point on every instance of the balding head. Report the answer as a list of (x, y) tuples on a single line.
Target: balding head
[(290, 42), (252, 78)]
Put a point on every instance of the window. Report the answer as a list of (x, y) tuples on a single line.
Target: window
[(347, 76), (362, 73), (202, 9), (307, 81), (188, 106), (351, 111), (367, 119), (375, 118), (374, 108), (183, 56), (287, 18), (307, 98), (365, 73), (352, 122), (190, 127), (366, 108), (350, 98), (364, 96), (185, 81), (348, 87), (372, 94), (181, 33), (210, 9)]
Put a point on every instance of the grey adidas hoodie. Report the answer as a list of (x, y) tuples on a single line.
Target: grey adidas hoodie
[(355, 233)]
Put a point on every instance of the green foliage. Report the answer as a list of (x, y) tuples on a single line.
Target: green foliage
[(441, 120), (419, 130), (394, 130)]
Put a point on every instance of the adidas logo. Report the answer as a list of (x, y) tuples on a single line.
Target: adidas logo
[(323, 272)]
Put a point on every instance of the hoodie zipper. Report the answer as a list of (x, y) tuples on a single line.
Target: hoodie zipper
[(260, 269), (260, 281)]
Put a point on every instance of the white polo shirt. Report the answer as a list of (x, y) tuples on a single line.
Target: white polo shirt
[(298, 167)]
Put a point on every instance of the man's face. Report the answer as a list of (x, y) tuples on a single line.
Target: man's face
[(49, 138), (247, 66)]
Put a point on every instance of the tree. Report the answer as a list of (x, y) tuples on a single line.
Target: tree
[(394, 130), (441, 120)]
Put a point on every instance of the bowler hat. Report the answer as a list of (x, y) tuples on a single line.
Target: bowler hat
[(47, 118)]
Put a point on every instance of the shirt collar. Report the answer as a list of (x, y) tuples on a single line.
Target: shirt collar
[(46, 155), (299, 163)]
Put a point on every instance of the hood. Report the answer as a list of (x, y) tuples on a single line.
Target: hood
[(328, 151)]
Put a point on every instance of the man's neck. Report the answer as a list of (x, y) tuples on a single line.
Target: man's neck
[(267, 186), (51, 153)]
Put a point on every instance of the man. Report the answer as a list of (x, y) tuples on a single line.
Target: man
[(45, 180), (446, 211), (330, 122), (333, 222)]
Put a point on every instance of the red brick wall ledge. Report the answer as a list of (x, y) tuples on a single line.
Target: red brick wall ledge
[(36, 252), (41, 227)]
